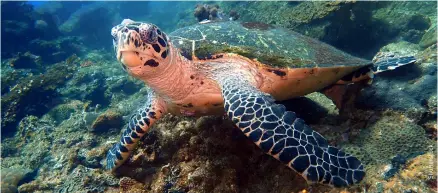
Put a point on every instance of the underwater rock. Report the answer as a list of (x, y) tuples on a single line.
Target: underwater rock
[(107, 120), (41, 25), (130, 185), (340, 23), (419, 175), (57, 50), (26, 60), (429, 37), (406, 87), (206, 12), (11, 177), (396, 163), (83, 23), (34, 95), (64, 111)]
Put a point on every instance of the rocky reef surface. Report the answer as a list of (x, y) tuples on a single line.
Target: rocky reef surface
[(65, 100)]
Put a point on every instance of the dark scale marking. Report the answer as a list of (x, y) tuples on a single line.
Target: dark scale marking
[(239, 111), (126, 132), (244, 124), (118, 155), (338, 182), (358, 175), (311, 140), (312, 174), (267, 145), (353, 162), (146, 120), (301, 163), (291, 142), (266, 134), (246, 130), (318, 152), (321, 173), (134, 135), (326, 157), (277, 72), (255, 135), (156, 48), (164, 55), (271, 118), (151, 62), (128, 140), (327, 177), (247, 117), (249, 111), (139, 130), (269, 126), (255, 125), (122, 148), (278, 147), (282, 130), (350, 177), (313, 159), (301, 150), (309, 148), (341, 154), (288, 154), (333, 151), (136, 43), (334, 170), (279, 137), (162, 42), (343, 173), (326, 166), (343, 162)]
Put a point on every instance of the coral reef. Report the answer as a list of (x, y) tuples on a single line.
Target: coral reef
[(339, 23), (206, 12), (33, 95), (11, 177), (108, 119)]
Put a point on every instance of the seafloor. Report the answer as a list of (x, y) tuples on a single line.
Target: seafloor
[(65, 99)]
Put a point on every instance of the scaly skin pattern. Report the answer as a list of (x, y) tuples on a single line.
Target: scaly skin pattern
[(242, 88), (138, 125), (287, 138)]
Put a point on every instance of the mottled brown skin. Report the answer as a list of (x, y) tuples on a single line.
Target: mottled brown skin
[(187, 88)]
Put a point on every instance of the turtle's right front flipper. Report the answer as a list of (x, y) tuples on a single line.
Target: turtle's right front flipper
[(286, 137), (138, 125)]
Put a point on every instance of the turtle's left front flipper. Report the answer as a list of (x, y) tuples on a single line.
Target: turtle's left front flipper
[(138, 126), (287, 138)]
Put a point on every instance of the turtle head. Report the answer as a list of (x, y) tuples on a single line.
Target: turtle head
[(142, 48)]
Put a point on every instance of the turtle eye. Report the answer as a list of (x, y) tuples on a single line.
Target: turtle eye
[(148, 34)]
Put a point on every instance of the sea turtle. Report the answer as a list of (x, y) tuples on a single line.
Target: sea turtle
[(241, 69)]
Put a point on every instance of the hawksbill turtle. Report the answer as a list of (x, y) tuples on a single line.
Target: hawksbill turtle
[(241, 69)]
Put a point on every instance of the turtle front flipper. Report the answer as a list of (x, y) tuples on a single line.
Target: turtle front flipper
[(287, 138), (138, 125)]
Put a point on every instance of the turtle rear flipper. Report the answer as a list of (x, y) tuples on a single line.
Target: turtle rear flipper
[(287, 138), (385, 61)]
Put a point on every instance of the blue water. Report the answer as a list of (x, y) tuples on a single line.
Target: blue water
[(66, 98)]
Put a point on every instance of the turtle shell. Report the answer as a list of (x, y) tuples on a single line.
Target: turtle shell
[(273, 46)]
